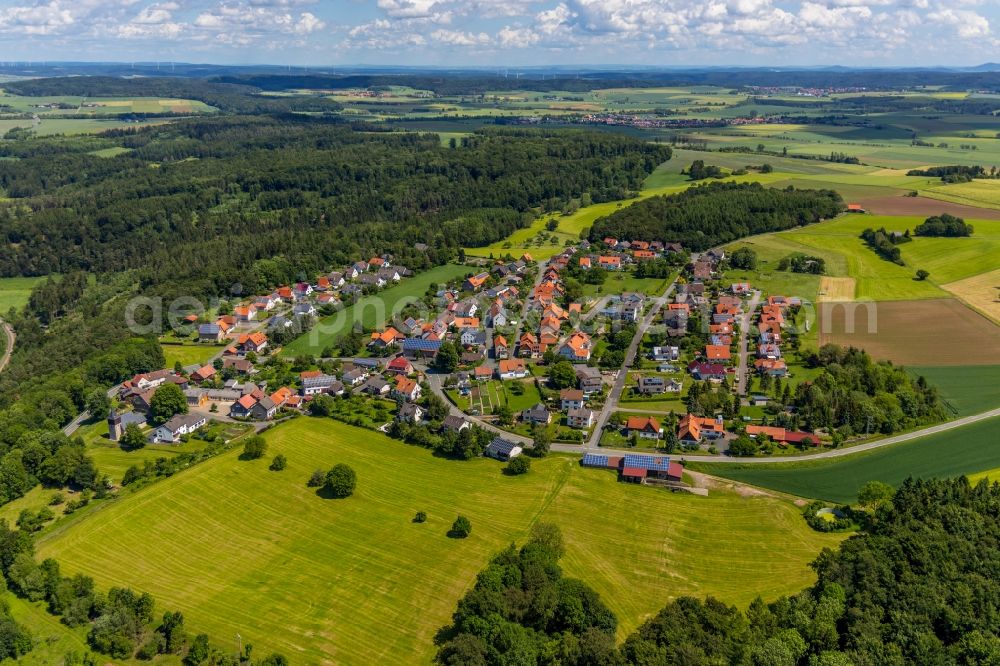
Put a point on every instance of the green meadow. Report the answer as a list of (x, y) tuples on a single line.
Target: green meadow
[(964, 450), (238, 548), (14, 292)]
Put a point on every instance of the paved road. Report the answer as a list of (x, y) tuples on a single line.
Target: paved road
[(8, 332), (741, 368), (525, 307), (597, 308), (616, 390), (833, 453), (434, 380)]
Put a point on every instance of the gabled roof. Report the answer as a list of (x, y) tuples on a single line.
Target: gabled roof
[(646, 423)]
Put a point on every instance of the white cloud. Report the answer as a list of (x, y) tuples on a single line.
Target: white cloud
[(967, 24)]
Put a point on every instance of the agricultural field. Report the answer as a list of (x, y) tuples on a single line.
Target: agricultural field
[(966, 389), (51, 126), (355, 580), (373, 311), (981, 292), (927, 332), (964, 450), (14, 292), (101, 106)]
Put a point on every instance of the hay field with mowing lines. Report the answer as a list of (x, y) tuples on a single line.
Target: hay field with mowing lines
[(372, 311), (928, 332), (981, 292), (981, 193), (236, 547), (964, 450)]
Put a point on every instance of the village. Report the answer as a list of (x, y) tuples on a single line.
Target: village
[(528, 351)]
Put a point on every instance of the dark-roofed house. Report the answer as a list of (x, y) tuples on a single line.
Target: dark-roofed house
[(118, 421), (589, 379), (410, 412), (454, 423), (420, 348), (537, 415), (502, 449), (317, 383), (580, 418), (264, 409), (209, 333)]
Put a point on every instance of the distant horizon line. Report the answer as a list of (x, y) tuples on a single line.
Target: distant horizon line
[(6, 63)]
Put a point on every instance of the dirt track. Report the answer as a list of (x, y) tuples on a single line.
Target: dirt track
[(926, 207)]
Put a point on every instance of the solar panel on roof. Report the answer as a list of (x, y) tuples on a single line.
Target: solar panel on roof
[(657, 463), (421, 344), (594, 460)]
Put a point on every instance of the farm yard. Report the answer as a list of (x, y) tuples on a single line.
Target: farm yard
[(293, 572)]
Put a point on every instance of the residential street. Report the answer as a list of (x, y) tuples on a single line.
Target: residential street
[(741, 368), (614, 395)]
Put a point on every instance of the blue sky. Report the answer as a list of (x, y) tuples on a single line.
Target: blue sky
[(505, 32)]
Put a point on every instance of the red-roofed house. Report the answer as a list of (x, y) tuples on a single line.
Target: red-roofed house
[(717, 353), (783, 436), (646, 427)]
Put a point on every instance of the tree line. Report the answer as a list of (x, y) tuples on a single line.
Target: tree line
[(915, 586), (709, 215)]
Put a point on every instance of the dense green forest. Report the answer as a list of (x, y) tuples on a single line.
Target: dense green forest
[(196, 205), (522, 610), (709, 215), (228, 97), (918, 585)]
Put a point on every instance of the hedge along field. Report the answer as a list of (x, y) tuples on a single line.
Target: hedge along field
[(238, 548), (965, 450), (371, 311)]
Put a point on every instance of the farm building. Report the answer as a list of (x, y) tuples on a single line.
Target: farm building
[(636, 468)]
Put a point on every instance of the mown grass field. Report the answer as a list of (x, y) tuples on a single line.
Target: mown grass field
[(189, 354), (238, 548), (372, 311), (14, 292), (965, 450)]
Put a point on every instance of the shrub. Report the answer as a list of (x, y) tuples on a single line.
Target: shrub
[(278, 463), (421, 517), (317, 479), (517, 466)]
